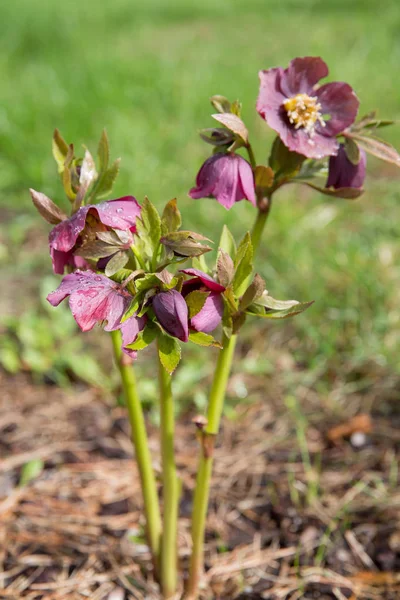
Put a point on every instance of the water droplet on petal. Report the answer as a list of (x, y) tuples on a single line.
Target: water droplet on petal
[(120, 210)]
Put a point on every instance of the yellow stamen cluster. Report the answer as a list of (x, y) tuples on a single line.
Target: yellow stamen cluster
[(304, 111)]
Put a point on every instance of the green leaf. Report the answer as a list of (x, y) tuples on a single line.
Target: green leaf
[(217, 136), (60, 150), (103, 152), (106, 181), (254, 291), (145, 337), (243, 265), (171, 219), (169, 351), (96, 249), (352, 151), (203, 339), (227, 242), (199, 262), (221, 104), (225, 268), (195, 302), (234, 124), (269, 308), (379, 148), (116, 262), (185, 243), (47, 208), (31, 470), (284, 162), (347, 193), (149, 227)]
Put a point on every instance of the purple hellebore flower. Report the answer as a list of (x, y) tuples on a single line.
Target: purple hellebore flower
[(294, 106), (172, 313), (226, 177), (343, 173), (92, 298), (130, 330), (210, 316), (63, 238)]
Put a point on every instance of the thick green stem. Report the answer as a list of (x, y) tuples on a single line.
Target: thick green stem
[(259, 224), (170, 488), (202, 490), (142, 452)]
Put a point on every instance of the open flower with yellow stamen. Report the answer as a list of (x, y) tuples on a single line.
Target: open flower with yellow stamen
[(307, 117)]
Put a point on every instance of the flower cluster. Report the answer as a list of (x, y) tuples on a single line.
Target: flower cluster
[(317, 135)]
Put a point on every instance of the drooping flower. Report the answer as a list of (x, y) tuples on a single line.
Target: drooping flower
[(67, 236), (345, 174), (172, 313), (306, 117), (210, 315), (226, 177), (92, 298), (130, 330)]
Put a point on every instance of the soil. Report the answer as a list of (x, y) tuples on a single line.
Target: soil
[(277, 529)]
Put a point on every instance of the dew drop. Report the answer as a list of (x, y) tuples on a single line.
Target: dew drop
[(120, 210)]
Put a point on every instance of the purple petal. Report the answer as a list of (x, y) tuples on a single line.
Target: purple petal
[(270, 97), (343, 173), (247, 181), (227, 177), (340, 102), (119, 214), (64, 235), (172, 312), (299, 141), (130, 330), (92, 298), (210, 315), (302, 75), (206, 280)]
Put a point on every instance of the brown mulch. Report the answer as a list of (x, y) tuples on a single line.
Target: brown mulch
[(76, 530)]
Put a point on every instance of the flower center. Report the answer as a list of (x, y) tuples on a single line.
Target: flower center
[(304, 111)]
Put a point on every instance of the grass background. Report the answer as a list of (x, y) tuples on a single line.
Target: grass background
[(145, 71)]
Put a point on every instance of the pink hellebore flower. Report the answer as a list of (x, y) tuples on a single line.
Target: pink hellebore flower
[(306, 117), (113, 214), (172, 313), (226, 177), (209, 317), (343, 173), (92, 298)]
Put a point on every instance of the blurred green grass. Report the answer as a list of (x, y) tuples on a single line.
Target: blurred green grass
[(145, 71)]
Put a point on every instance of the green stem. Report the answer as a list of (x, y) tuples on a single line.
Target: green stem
[(170, 488), (258, 228), (202, 490), (142, 452), (252, 158)]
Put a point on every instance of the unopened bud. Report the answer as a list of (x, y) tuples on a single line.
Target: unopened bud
[(200, 421)]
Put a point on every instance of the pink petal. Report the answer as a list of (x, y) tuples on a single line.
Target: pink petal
[(338, 100), (210, 315), (208, 281), (302, 75)]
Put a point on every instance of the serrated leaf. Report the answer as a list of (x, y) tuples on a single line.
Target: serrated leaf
[(145, 337), (379, 148), (96, 249), (243, 265), (283, 162), (200, 263), (47, 208), (133, 308), (60, 150), (234, 124), (103, 152), (238, 321), (67, 183), (352, 151), (230, 300), (221, 104), (185, 243), (165, 277), (225, 268), (203, 339), (195, 302), (277, 309), (253, 292), (149, 227), (116, 262), (171, 219), (31, 470), (106, 182), (347, 193), (217, 136), (227, 242), (169, 351), (88, 170)]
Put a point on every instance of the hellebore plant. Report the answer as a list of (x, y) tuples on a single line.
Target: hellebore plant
[(124, 264)]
